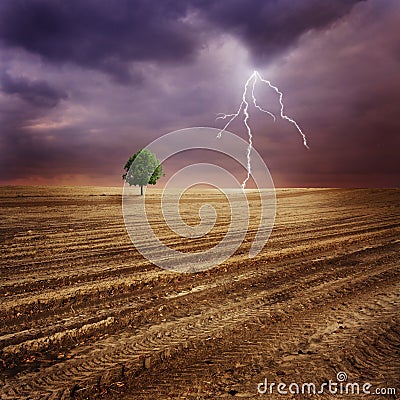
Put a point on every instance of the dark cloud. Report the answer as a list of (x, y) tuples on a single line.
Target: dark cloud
[(100, 35), (269, 28), (336, 61), (31, 154), (113, 35), (38, 93)]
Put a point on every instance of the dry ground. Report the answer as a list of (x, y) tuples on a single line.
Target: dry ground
[(84, 315)]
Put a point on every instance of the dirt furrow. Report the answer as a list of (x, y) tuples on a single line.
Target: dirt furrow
[(311, 345), (196, 329), (83, 315)]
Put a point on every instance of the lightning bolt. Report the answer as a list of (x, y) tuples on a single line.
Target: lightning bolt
[(244, 107)]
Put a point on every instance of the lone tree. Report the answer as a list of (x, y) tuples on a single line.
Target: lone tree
[(146, 169)]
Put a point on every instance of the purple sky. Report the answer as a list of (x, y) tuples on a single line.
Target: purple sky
[(85, 83)]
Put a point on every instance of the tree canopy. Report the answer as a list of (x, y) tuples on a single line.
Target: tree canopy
[(142, 169)]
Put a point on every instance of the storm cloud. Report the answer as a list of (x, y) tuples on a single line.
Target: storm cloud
[(38, 93), (270, 28), (83, 84), (109, 35), (100, 35)]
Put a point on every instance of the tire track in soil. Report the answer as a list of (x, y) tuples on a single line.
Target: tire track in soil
[(329, 246), (309, 345), (250, 279), (131, 350)]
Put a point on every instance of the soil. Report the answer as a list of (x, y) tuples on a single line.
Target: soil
[(85, 316)]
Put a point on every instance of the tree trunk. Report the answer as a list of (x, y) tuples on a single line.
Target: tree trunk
[(141, 190)]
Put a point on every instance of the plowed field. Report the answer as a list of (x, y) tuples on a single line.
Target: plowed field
[(84, 315)]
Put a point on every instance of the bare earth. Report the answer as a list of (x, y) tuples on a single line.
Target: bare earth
[(84, 315)]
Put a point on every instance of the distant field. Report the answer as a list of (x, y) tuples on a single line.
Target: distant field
[(84, 315)]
